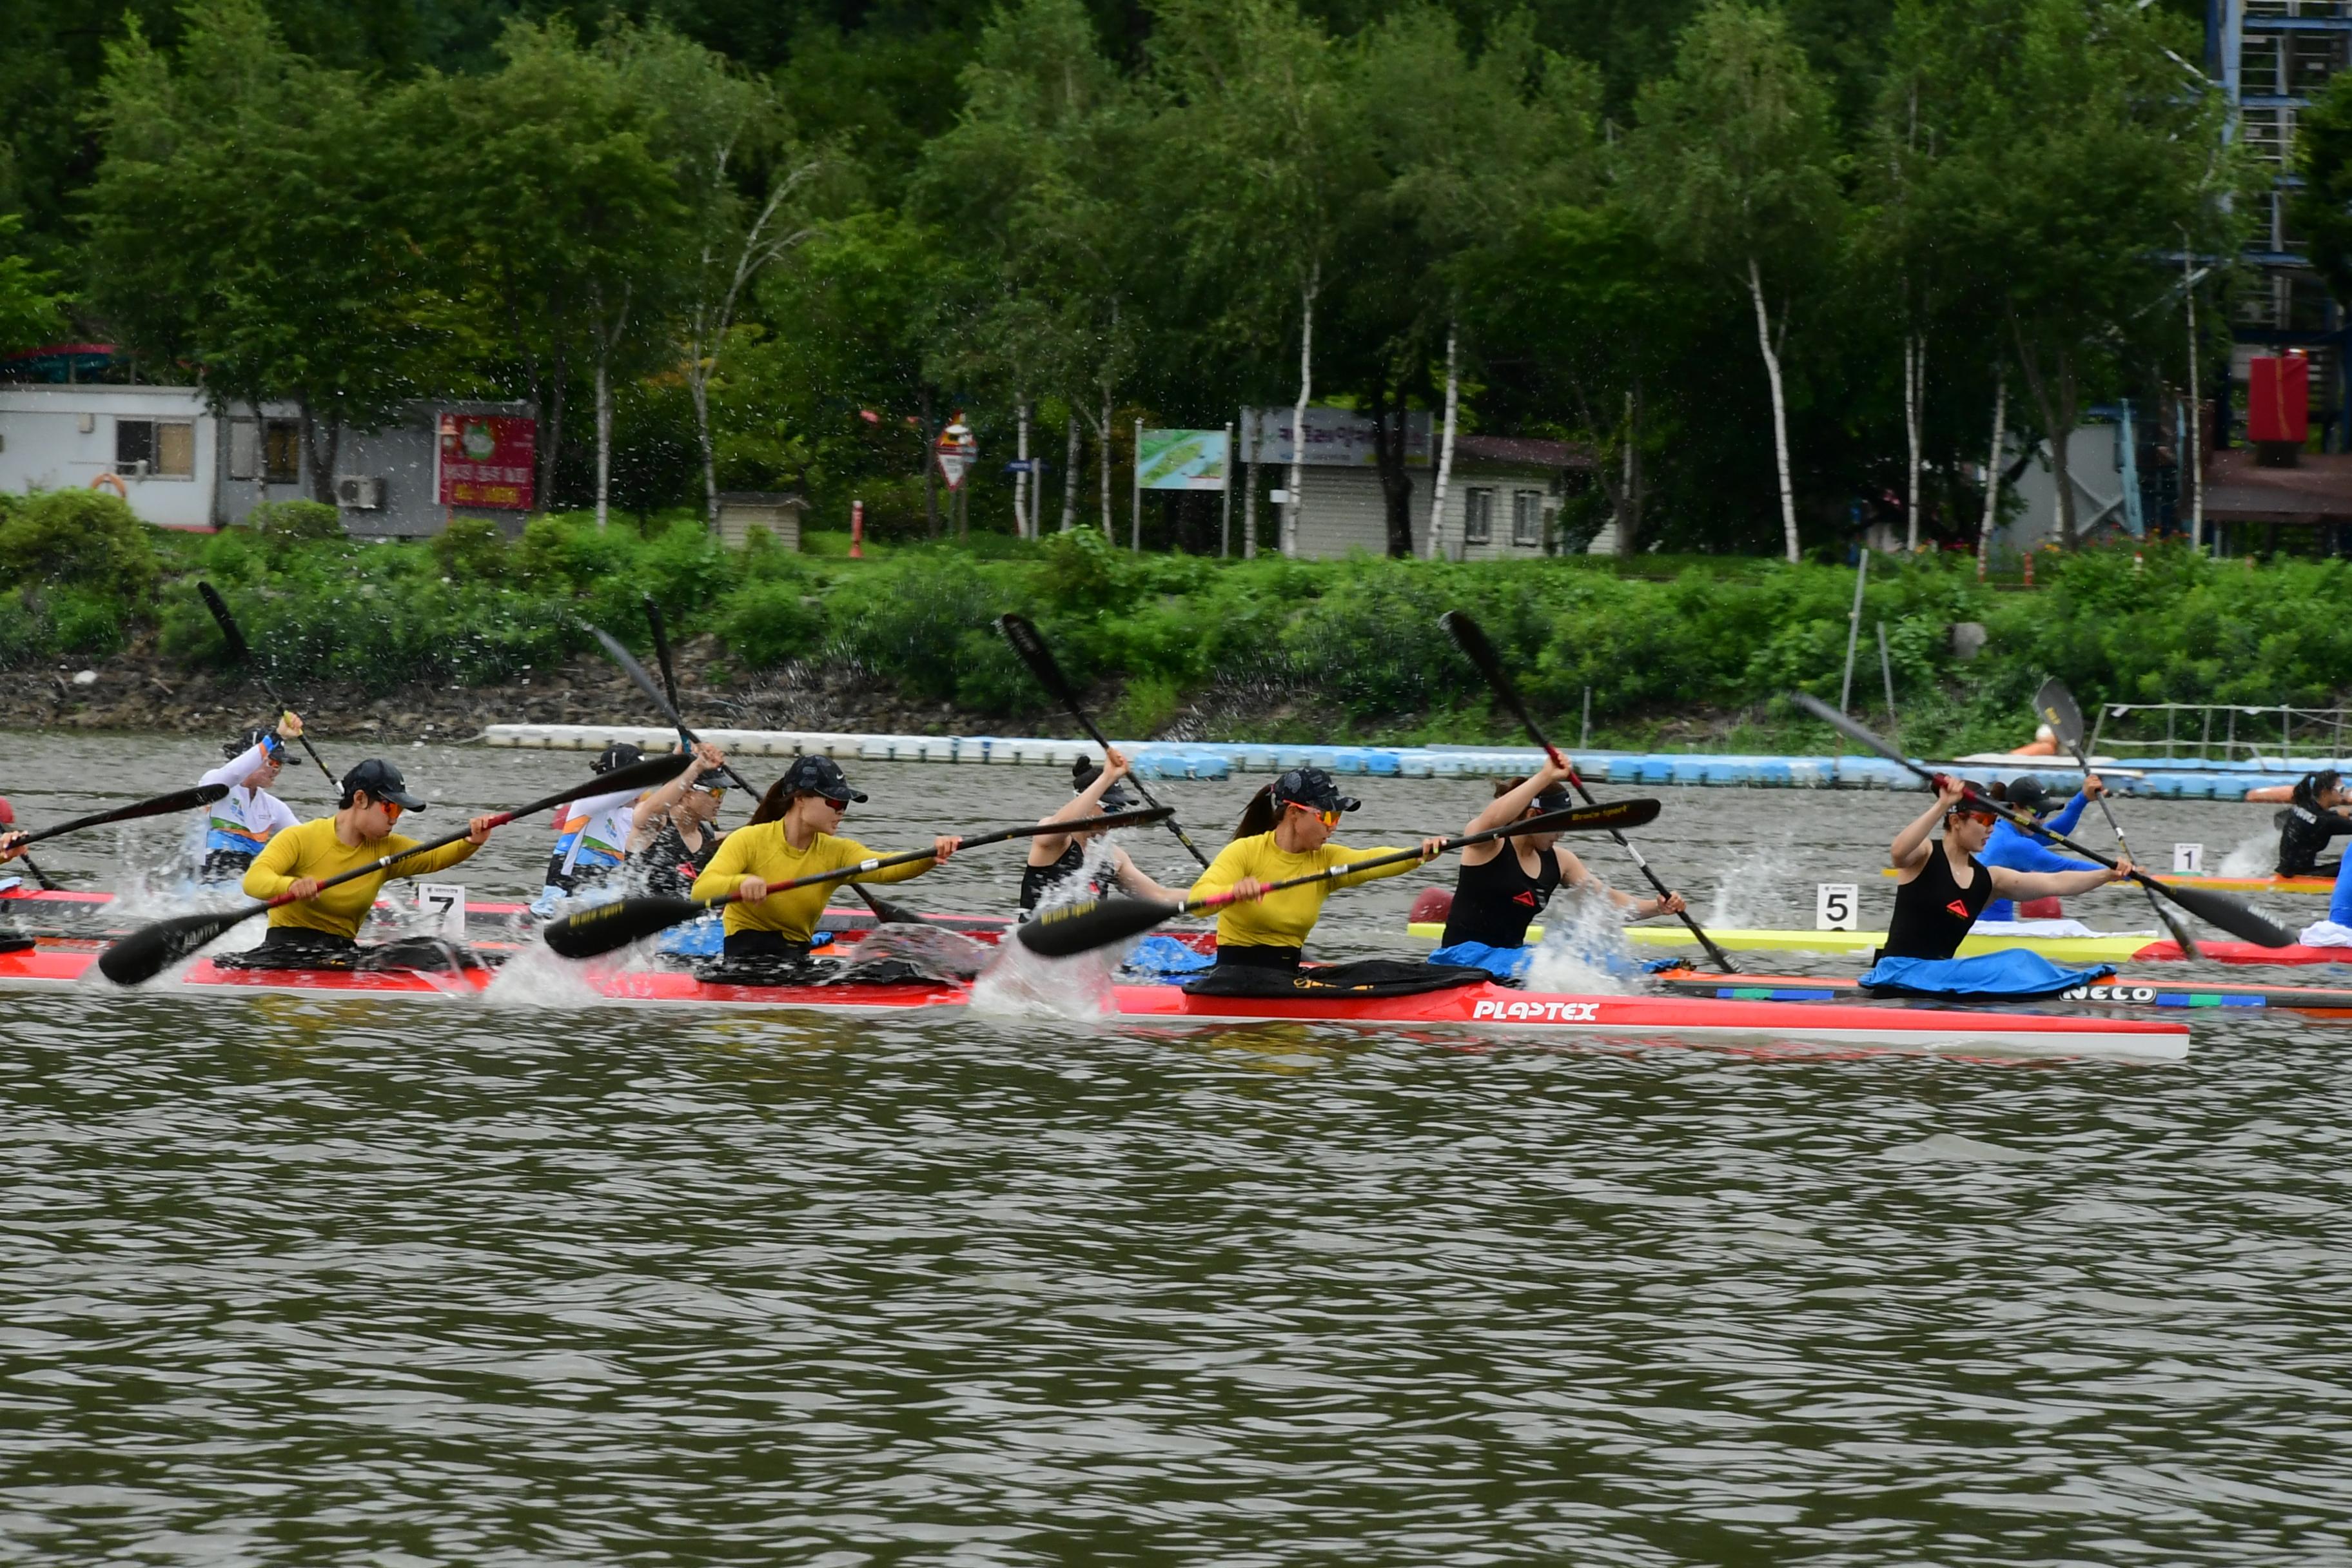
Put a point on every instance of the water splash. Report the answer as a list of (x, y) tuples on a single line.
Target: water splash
[(535, 977), (2256, 855), (1019, 983), (1583, 949), (1753, 890)]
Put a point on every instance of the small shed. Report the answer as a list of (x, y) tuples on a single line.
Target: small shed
[(777, 511)]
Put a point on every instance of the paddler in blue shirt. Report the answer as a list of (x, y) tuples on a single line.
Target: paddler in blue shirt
[(2011, 848)]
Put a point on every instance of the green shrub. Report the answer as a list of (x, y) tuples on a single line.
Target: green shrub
[(771, 624), (290, 520), (88, 623), (471, 549), (81, 538), (24, 632)]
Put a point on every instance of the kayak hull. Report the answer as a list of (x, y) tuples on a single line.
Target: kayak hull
[(1474, 1007), (2140, 992), (2060, 950)]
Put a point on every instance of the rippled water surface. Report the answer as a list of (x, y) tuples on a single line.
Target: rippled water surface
[(295, 1281)]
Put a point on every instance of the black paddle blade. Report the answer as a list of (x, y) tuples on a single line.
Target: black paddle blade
[(219, 607), (1853, 731), (150, 950), (1471, 638), (2235, 916), (1096, 922), (651, 774), (1609, 816), (661, 648), (636, 672), (2058, 709), (1031, 647), (590, 932), (162, 805), (885, 912)]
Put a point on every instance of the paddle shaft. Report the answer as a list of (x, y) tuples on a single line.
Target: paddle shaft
[(219, 607), (1489, 666), (907, 857), (2067, 724), (666, 705), (1031, 647), (160, 805)]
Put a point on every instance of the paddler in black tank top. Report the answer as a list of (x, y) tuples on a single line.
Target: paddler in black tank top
[(674, 831), (1941, 888), (1504, 883), (1055, 858)]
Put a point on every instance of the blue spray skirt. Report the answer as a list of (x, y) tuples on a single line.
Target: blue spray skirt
[(2010, 975)]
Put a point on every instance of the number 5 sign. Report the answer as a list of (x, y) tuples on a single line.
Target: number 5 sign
[(1837, 906)]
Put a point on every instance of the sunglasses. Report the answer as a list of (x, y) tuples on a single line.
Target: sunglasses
[(392, 809), (716, 792), (1987, 817), (1330, 818)]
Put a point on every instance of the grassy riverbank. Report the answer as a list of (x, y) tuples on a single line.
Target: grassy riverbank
[(1694, 653)]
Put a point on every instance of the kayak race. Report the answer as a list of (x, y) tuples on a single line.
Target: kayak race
[(1193, 782)]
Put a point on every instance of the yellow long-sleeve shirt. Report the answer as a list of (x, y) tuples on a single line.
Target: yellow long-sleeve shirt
[(1284, 919), (312, 849), (763, 852)]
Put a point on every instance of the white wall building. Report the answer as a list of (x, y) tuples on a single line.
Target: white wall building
[(1502, 497), (179, 464)]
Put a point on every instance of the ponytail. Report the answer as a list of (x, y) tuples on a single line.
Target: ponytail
[(2311, 786), (1259, 815), (773, 806)]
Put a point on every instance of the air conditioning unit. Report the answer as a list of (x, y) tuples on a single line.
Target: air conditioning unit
[(360, 494)]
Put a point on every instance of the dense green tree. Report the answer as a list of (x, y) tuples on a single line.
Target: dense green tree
[(31, 307), (1735, 164), (293, 267)]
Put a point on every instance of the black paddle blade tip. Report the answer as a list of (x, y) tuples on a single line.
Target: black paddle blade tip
[(147, 952), (606, 927), (1082, 927)]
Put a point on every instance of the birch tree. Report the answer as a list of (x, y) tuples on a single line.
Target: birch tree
[(1268, 142), (1734, 160)]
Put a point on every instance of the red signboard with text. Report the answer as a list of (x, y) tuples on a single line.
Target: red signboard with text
[(488, 460)]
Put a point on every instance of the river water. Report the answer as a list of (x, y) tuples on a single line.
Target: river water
[(293, 1281)]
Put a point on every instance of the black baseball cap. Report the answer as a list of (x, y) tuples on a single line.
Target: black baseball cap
[(818, 775), (382, 782), (1312, 788), (1114, 799), (619, 754), (2028, 794)]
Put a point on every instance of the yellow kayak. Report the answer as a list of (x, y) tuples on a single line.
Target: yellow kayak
[(2314, 887)]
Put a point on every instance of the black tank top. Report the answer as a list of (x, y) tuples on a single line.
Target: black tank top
[(1494, 902), (670, 867), (1933, 912), (1036, 881)]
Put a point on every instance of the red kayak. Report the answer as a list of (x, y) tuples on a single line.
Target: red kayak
[(1478, 1007)]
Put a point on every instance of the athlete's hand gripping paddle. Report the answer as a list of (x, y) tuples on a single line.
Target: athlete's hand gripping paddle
[(1031, 647), (238, 652), (2058, 709), (2232, 915), (1472, 640), (604, 927), (147, 951), (1097, 923)]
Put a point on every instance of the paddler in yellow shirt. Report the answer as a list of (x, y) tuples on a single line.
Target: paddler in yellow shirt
[(297, 859), (791, 836), (1286, 832)]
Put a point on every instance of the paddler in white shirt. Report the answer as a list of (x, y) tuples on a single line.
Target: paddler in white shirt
[(239, 825)]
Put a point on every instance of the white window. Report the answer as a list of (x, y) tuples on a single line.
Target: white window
[(273, 445), (1477, 517), (157, 448), (1527, 518)]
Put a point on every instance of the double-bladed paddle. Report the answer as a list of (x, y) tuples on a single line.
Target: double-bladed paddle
[(2058, 709), (239, 652), (1471, 638), (2232, 915), (604, 927), (1031, 647), (170, 804), (148, 951), (1097, 923)]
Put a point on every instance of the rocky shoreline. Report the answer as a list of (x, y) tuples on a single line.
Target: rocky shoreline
[(140, 691)]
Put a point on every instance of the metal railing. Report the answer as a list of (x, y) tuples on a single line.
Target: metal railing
[(2283, 724)]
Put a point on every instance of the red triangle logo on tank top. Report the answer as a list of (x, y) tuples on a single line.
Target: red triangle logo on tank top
[(1958, 909), (1525, 898)]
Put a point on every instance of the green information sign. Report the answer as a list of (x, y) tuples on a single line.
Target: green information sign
[(1181, 460)]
